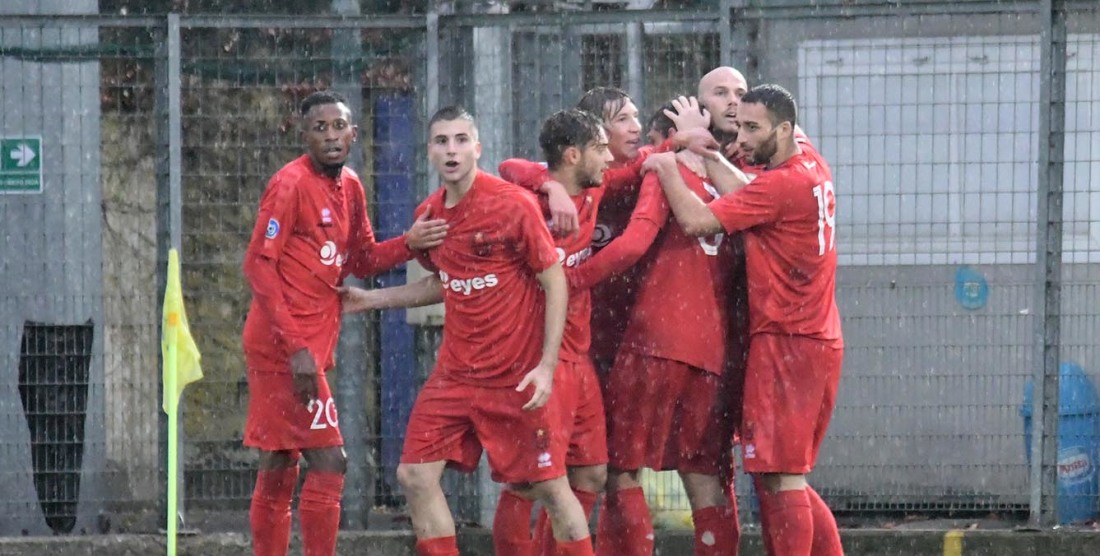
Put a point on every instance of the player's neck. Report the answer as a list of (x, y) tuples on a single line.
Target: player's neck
[(567, 178), (456, 190), (784, 154)]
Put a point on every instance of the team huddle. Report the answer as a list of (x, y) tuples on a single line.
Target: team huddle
[(615, 308)]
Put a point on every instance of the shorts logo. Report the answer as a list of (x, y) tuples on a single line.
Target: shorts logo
[(329, 256), (469, 285), (544, 460), (750, 451), (272, 228)]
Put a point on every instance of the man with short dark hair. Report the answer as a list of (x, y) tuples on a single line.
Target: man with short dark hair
[(504, 291), (311, 232)]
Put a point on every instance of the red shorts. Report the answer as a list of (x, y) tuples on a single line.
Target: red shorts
[(790, 391), (664, 414), (277, 420), (453, 421), (584, 415)]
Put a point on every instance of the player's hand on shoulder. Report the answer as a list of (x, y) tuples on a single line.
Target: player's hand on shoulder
[(426, 232), (563, 212), (659, 162), (541, 382), (692, 161), (688, 115), (304, 371), (356, 300)]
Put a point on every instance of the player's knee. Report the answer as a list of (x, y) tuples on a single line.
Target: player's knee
[(591, 478), (619, 479), (413, 478), (776, 482), (550, 492)]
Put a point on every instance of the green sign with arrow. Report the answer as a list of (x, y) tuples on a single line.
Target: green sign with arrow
[(20, 164)]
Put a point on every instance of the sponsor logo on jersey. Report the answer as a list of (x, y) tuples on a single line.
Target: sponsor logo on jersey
[(573, 259), (272, 228), (601, 235), (330, 257), (469, 285)]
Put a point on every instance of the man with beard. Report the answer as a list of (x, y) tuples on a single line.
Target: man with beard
[(311, 232), (787, 216)]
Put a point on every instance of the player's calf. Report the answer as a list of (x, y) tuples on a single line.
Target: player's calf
[(431, 518)]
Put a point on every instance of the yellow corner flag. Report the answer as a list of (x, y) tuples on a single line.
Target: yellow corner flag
[(181, 356), (181, 367)]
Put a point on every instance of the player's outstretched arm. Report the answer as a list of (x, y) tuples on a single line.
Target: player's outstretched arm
[(542, 376), (690, 211), (426, 291)]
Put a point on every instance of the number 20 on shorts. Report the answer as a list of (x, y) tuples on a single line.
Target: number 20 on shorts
[(324, 414)]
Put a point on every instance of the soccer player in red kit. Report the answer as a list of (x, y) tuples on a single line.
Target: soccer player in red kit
[(787, 216), (664, 395), (492, 385), (575, 147), (311, 232)]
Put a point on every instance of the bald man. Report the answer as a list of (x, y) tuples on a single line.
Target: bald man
[(720, 92)]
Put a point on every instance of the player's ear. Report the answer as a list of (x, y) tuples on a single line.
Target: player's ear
[(571, 155)]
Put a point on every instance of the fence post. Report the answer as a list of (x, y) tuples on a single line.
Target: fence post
[(169, 210), (355, 338), (1048, 259)]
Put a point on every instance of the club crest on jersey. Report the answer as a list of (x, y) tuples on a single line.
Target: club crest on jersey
[(272, 228), (326, 217)]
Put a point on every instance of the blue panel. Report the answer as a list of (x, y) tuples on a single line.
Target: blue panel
[(394, 171)]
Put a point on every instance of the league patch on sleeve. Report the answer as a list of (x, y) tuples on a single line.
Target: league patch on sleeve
[(272, 228)]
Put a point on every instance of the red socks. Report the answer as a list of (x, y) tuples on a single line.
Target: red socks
[(438, 546), (717, 531), (826, 535), (544, 531), (788, 521), (319, 512), (270, 512), (582, 547), (625, 527), (512, 525)]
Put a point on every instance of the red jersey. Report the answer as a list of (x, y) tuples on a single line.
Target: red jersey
[(311, 232), (681, 311), (788, 216), (573, 251), (497, 243)]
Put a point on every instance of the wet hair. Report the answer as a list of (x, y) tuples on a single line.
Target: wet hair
[(603, 102), (320, 98), (660, 121), (564, 129), (779, 102), (450, 114)]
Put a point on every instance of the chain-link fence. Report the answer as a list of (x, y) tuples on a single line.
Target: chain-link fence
[(969, 250)]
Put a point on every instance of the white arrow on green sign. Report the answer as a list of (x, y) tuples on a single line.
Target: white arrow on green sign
[(20, 164)]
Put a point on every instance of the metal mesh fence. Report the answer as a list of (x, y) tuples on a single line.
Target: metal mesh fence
[(930, 115)]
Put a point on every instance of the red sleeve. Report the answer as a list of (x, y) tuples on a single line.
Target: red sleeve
[(649, 216), (367, 257), (524, 173), (535, 241), (274, 223), (757, 203)]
